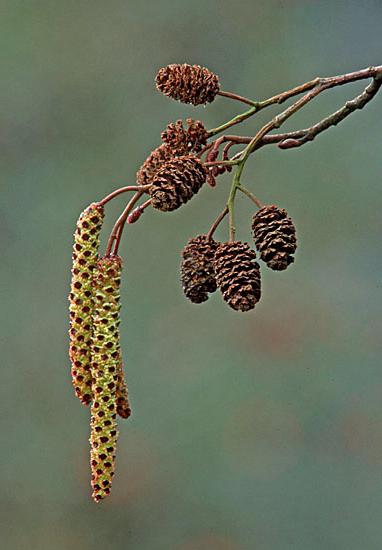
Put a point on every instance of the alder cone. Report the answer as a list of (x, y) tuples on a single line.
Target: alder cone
[(197, 272), (153, 163), (188, 83), (177, 182), (85, 256), (185, 140), (274, 234), (177, 141), (238, 275), (106, 362)]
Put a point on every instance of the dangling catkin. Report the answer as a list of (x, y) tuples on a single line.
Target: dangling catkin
[(106, 372), (85, 255)]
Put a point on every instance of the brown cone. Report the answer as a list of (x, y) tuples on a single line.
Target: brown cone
[(153, 163), (238, 275), (177, 182), (185, 140), (188, 83), (275, 237), (197, 272)]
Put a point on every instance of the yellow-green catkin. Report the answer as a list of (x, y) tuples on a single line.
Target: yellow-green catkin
[(105, 367), (85, 257), (123, 403)]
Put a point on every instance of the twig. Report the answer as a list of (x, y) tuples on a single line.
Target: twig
[(117, 230), (250, 195), (216, 223), (220, 162), (322, 83), (236, 120), (332, 120), (278, 120), (238, 98), (122, 190), (328, 82), (297, 138)]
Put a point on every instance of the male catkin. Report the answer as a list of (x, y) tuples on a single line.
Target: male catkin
[(106, 359), (85, 255)]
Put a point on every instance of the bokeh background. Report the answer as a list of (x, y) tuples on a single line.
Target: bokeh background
[(260, 431)]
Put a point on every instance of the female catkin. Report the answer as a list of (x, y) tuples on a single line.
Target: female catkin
[(106, 373), (85, 256)]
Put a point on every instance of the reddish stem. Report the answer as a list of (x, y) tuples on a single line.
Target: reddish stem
[(216, 223), (116, 233), (238, 98), (122, 190)]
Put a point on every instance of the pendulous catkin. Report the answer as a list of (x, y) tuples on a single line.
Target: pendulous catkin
[(274, 234), (85, 255), (197, 272), (106, 365), (238, 275), (188, 83), (177, 181)]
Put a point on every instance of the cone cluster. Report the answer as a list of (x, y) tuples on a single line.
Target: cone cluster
[(275, 237), (238, 275), (176, 182), (177, 141), (85, 256), (197, 272), (188, 83)]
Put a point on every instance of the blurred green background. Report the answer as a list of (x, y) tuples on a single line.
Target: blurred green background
[(256, 431)]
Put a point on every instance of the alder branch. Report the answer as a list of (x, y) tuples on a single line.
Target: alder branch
[(332, 120), (319, 82)]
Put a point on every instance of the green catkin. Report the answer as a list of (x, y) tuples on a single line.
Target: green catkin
[(105, 368), (85, 256), (123, 403)]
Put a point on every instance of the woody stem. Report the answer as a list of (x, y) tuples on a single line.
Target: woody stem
[(121, 190), (238, 98), (216, 223), (117, 230), (231, 199), (250, 195)]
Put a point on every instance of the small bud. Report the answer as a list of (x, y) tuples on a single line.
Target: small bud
[(135, 215), (289, 143)]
